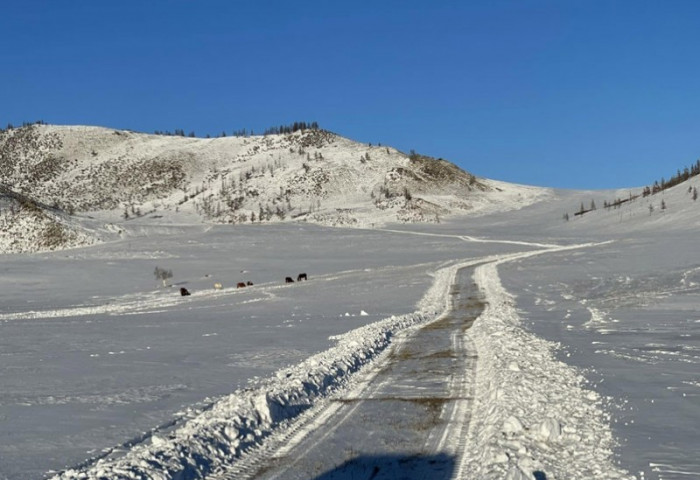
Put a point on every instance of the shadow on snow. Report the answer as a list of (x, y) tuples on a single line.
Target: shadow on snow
[(384, 467)]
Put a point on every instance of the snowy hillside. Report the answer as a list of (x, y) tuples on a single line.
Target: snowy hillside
[(311, 175), (28, 226)]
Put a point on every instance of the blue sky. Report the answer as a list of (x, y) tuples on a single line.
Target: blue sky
[(571, 94)]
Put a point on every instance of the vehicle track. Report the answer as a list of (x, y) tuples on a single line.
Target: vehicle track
[(403, 418)]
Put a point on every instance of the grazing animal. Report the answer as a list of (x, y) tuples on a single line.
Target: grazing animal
[(184, 292), (249, 283), (240, 285), (218, 286), (302, 276), (289, 280)]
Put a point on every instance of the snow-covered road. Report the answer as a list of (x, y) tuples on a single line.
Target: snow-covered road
[(400, 393), (409, 414), (405, 415), (519, 413)]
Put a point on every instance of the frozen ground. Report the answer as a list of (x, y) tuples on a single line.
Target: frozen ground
[(628, 313), (96, 355)]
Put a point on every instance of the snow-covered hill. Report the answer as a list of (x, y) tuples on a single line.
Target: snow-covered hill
[(28, 226), (310, 175)]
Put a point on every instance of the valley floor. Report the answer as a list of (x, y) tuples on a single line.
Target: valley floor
[(106, 374)]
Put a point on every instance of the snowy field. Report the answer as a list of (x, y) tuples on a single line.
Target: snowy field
[(95, 352), (629, 315), (98, 360)]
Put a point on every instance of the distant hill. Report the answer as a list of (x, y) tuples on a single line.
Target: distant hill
[(311, 175)]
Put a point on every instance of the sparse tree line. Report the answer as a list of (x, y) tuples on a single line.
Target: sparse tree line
[(275, 130), (233, 194), (386, 194), (179, 132), (679, 177), (658, 186), (439, 168), (10, 126), (291, 128)]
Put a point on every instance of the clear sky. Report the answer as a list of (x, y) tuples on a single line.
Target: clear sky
[(565, 93)]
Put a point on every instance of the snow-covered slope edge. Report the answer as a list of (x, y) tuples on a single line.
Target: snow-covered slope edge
[(533, 416)]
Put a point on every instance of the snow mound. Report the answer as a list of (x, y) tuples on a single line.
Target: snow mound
[(537, 417)]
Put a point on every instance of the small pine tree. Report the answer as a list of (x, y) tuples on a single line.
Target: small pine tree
[(663, 205), (695, 193)]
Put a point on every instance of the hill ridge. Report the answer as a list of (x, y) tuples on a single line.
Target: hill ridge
[(310, 175)]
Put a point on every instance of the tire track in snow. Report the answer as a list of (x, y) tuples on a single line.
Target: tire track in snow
[(469, 238), (223, 422), (294, 452), (420, 389)]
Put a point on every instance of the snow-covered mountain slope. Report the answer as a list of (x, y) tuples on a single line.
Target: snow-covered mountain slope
[(628, 211), (310, 175), (28, 226)]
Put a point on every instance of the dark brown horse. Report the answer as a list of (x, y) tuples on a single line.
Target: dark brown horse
[(240, 285), (184, 292), (302, 276), (289, 280)]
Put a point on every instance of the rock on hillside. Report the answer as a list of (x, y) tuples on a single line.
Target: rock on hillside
[(311, 175)]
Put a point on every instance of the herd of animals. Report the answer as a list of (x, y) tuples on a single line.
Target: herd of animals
[(218, 286)]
